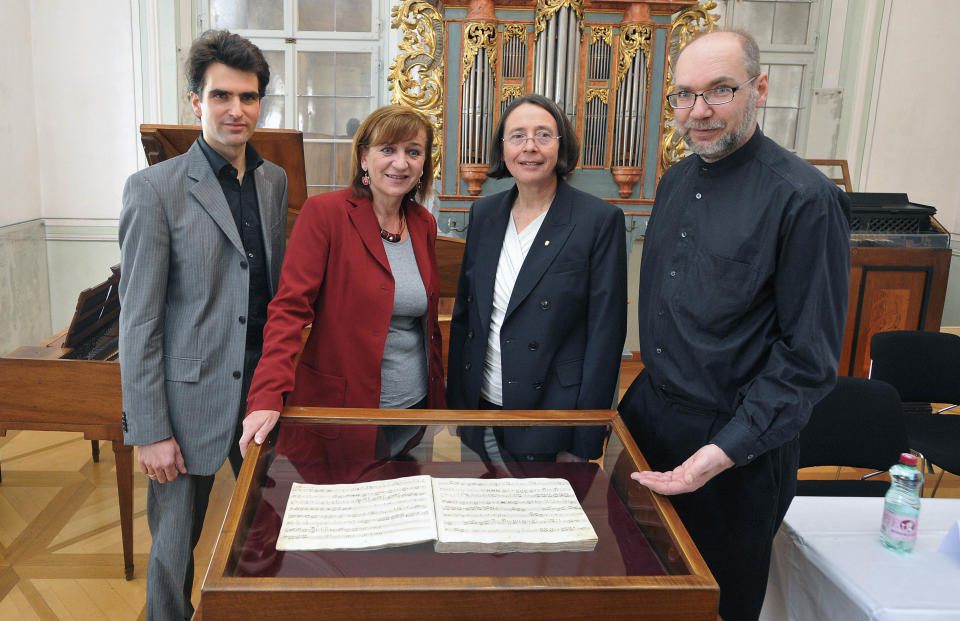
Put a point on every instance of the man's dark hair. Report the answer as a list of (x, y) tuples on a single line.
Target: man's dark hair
[(222, 46), (569, 153)]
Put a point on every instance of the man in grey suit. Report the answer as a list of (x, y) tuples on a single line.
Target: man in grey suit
[(202, 237)]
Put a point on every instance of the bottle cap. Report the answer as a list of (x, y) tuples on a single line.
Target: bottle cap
[(908, 458)]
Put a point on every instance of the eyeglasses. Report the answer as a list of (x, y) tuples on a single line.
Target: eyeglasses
[(714, 96), (542, 138)]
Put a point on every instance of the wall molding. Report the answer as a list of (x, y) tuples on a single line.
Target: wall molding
[(70, 229)]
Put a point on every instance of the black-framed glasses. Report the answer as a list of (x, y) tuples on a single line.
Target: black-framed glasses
[(542, 138), (714, 96)]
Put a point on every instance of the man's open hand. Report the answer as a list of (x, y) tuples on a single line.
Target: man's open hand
[(691, 475)]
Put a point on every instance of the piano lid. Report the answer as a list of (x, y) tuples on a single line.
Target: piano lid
[(890, 219), (97, 307), (887, 203)]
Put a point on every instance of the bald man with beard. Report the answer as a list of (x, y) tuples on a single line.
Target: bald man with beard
[(742, 305)]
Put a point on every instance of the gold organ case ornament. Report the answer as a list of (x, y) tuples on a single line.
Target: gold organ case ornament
[(683, 26), (633, 38), (511, 92), (547, 8), (477, 36), (416, 73), (515, 31), (596, 93), (601, 33), (690, 22)]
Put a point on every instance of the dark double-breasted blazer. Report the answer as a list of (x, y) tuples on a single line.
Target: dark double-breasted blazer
[(562, 337)]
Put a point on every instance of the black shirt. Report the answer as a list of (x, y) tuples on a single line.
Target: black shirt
[(245, 207), (743, 291)]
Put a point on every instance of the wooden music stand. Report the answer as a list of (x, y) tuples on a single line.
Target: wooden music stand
[(283, 147), (833, 165)]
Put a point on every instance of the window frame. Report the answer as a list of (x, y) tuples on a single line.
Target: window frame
[(292, 41), (805, 55)]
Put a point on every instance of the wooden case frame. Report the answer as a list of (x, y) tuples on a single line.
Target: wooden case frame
[(690, 593)]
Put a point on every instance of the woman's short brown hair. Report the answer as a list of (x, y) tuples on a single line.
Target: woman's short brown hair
[(388, 125), (569, 153)]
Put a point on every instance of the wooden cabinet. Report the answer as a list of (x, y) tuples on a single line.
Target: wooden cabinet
[(891, 289)]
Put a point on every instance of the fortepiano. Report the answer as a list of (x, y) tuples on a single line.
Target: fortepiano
[(899, 265), (71, 382)]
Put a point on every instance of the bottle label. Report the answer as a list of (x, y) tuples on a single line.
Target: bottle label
[(899, 527)]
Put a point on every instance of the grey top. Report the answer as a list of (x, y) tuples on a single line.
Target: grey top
[(403, 372)]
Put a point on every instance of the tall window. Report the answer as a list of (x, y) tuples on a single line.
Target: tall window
[(324, 67), (786, 31)]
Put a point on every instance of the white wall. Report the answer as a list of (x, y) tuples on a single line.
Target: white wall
[(912, 144), (83, 87), (24, 299), (19, 158), (68, 109)]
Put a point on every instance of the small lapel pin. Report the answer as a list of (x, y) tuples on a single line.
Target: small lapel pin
[(546, 243)]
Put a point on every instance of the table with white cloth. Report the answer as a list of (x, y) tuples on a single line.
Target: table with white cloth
[(828, 563)]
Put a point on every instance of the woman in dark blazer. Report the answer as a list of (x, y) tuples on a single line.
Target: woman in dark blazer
[(360, 267), (540, 315)]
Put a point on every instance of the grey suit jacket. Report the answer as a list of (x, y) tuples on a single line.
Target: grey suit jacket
[(183, 289)]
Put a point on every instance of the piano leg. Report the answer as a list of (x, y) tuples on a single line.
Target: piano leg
[(95, 450), (123, 455)]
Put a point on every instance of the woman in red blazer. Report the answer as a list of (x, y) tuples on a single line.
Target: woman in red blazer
[(338, 274)]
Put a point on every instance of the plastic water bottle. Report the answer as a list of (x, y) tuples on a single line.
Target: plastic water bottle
[(901, 505)]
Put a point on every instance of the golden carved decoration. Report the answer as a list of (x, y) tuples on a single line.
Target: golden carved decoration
[(515, 31), (477, 36), (416, 73), (547, 8), (511, 92), (594, 93), (691, 22), (633, 38), (672, 147), (601, 33), (684, 25)]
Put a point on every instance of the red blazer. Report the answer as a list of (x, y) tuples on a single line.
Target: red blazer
[(336, 276)]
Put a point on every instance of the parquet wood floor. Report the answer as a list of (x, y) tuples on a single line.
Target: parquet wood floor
[(60, 552)]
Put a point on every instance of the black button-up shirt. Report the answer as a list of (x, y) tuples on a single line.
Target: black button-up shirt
[(245, 207), (743, 291)]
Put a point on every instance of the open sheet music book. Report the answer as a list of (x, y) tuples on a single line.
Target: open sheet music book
[(459, 515)]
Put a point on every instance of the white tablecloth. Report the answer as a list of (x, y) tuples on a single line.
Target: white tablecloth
[(828, 563)]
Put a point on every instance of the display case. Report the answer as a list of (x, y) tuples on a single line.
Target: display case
[(644, 565)]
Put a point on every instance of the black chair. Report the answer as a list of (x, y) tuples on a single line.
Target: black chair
[(924, 367), (858, 424)]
